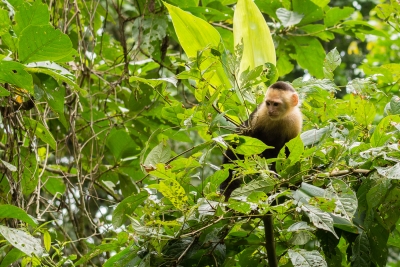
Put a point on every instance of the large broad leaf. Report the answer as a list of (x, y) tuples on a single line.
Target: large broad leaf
[(10, 211), (59, 77), (159, 154), (250, 146), (249, 27), (345, 199), (22, 240), (127, 207), (15, 74), (120, 142), (42, 43), (309, 54), (382, 132), (12, 256), (361, 251), (195, 34), (4, 22), (319, 218), (305, 258), (36, 13), (172, 190)]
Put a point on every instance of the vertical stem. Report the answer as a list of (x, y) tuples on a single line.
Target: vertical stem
[(268, 220)]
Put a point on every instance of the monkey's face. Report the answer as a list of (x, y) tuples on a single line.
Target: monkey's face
[(275, 104)]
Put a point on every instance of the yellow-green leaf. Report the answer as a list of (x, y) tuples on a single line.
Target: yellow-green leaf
[(249, 27), (195, 34), (172, 190), (47, 241)]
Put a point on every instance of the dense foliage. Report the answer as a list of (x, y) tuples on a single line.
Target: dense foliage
[(115, 115)]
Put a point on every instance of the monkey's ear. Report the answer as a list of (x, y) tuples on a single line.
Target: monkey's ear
[(295, 99)]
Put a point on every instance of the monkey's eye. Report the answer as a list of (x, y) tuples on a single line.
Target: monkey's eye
[(276, 104), (267, 103)]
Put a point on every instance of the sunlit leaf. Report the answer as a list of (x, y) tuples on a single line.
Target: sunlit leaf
[(194, 35), (42, 43), (250, 28)]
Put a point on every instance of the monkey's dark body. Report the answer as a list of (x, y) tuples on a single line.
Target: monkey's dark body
[(273, 132)]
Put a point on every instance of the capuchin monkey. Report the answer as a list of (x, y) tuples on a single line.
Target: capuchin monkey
[(275, 121)]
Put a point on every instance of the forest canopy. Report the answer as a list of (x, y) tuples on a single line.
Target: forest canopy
[(115, 116)]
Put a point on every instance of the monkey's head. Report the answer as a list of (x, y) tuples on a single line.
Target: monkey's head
[(280, 99)]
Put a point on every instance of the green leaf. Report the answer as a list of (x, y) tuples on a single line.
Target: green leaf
[(265, 185), (364, 27), (119, 141), (154, 82), (361, 251), (127, 207), (15, 74), (47, 241), (194, 35), (4, 91), (394, 69), (250, 146), (4, 22), (345, 199), (242, 207), (284, 65), (212, 182), (301, 238), (332, 61), (378, 237), (296, 149), (335, 14), (174, 113), (309, 54), (22, 241), (54, 95), (310, 10), (304, 258), (319, 218), (9, 211), (390, 207), (320, 3), (12, 256), (363, 110), (318, 30), (123, 258), (60, 78), (250, 28), (35, 13), (377, 193), (30, 175), (393, 107), (42, 43), (41, 131), (159, 154), (384, 11), (288, 18), (383, 131), (313, 136), (54, 185), (392, 172)]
